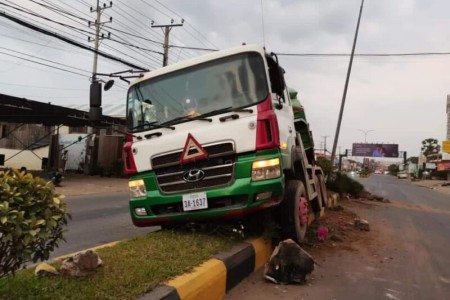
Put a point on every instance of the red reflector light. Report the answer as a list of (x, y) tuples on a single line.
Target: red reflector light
[(267, 132), (128, 159)]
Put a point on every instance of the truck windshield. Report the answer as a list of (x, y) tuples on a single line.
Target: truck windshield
[(232, 82)]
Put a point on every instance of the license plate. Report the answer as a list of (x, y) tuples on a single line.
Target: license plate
[(195, 201)]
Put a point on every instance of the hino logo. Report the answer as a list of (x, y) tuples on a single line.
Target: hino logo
[(193, 175)]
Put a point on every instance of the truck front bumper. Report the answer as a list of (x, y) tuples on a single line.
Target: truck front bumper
[(231, 202)]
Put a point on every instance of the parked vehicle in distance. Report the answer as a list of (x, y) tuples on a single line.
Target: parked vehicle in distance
[(402, 175)]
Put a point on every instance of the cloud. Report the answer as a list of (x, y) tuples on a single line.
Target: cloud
[(401, 98)]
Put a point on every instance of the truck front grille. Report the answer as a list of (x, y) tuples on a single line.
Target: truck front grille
[(218, 170), (174, 158)]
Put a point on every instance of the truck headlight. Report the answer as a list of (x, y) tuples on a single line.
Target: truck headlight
[(137, 188), (266, 169)]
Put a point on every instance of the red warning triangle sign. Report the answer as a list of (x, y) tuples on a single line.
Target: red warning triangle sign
[(192, 150)]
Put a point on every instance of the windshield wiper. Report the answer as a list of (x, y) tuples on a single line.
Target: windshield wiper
[(152, 125), (205, 116)]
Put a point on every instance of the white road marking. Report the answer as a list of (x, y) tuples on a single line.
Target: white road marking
[(445, 280), (390, 296)]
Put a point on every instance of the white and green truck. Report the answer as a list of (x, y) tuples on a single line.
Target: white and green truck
[(220, 137)]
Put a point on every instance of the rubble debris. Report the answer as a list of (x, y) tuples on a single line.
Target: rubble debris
[(289, 263), (361, 224), (336, 208), (336, 238), (81, 264)]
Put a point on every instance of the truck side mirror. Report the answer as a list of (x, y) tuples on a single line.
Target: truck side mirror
[(95, 101), (276, 74)]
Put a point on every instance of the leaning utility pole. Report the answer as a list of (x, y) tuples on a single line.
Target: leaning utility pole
[(166, 30), (338, 128), (98, 24)]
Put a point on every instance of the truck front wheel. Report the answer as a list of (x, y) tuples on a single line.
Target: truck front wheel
[(293, 216)]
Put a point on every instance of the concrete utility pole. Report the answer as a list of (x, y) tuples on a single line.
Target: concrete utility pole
[(338, 127), (166, 30), (325, 144), (98, 24)]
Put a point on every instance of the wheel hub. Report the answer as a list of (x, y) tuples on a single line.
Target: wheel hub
[(303, 211)]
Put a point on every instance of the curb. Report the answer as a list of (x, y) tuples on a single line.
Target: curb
[(215, 277)]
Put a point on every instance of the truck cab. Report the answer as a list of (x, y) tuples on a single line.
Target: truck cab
[(214, 138)]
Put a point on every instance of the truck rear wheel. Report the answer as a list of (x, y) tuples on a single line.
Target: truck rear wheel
[(293, 214)]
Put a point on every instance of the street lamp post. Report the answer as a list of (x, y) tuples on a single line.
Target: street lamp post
[(365, 134)]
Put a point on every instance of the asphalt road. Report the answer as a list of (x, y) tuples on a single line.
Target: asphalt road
[(96, 220), (408, 256)]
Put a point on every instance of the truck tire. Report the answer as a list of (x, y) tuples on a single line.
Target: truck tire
[(323, 190), (293, 211)]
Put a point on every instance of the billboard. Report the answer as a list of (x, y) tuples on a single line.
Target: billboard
[(375, 150)]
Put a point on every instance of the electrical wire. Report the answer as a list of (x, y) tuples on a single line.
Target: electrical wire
[(43, 64), (47, 60), (67, 40), (363, 54), (186, 22), (81, 30)]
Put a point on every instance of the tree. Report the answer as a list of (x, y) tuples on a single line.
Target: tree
[(413, 160), (32, 220), (430, 146)]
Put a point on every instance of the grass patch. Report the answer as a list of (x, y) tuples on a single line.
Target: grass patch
[(129, 269)]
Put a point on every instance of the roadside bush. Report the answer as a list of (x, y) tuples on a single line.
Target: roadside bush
[(342, 184), (32, 220), (441, 175), (325, 165)]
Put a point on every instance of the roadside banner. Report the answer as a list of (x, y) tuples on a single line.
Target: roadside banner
[(443, 166)]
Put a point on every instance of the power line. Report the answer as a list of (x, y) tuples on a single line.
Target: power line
[(186, 22), (45, 18), (43, 64), (363, 54), (47, 60), (41, 23), (59, 10), (40, 87), (82, 30), (67, 40), (129, 28)]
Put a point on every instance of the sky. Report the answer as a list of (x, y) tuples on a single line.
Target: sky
[(394, 99)]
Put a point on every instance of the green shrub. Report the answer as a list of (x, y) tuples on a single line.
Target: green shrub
[(32, 220), (442, 175), (341, 183), (325, 165)]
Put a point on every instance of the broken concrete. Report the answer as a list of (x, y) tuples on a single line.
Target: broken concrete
[(81, 264), (362, 224), (289, 263)]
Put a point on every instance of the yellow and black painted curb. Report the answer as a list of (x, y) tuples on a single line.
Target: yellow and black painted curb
[(215, 277)]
